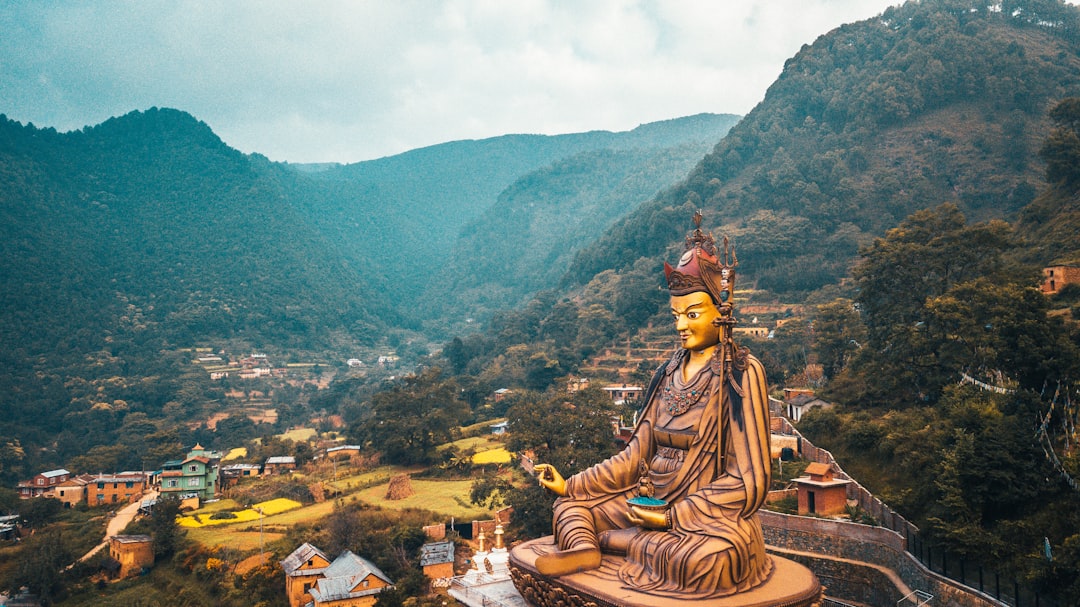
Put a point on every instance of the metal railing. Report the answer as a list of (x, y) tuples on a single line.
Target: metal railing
[(917, 598)]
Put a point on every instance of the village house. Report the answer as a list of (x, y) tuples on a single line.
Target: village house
[(437, 561), (501, 393), (254, 360), (348, 581), (622, 393), (255, 373), (279, 464), (820, 493), (131, 554), (42, 484), (343, 451), (797, 402), (197, 474), (122, 488), (756, 331), (234, 473), (573, 385), (302, 569), (73, 491), (8, 529), (1056, 277)]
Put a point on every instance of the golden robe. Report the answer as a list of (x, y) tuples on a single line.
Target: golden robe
[(715, 546)]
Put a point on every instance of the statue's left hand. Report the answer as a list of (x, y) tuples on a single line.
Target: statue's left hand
[(649, 519)]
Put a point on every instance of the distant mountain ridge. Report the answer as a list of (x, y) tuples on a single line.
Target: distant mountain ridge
[(404, 213), (123, 242), (153, 210), (930, 102)]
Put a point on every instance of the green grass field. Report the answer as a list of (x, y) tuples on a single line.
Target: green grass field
[(299, 435)]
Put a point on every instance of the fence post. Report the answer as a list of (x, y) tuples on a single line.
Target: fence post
[(997, 585), (1016, 591), (980, 579)]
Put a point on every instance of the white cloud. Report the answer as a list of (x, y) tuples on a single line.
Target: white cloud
[(346, 81)]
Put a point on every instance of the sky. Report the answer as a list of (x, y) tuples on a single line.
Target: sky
[(323, 81)]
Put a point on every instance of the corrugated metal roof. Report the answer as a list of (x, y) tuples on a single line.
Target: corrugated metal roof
[(300, 556), (436, 553), (344, 576)]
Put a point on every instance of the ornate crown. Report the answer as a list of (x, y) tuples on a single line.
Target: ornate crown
[(701, 268)]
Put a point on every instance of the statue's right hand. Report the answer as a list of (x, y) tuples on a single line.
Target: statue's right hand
[(550, 479)]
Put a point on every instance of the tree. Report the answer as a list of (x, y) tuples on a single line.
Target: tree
[(414, 417), (1061, 150), (1004, 330), (41, 560), (163, 526), (39, 511), (920, 260), (838, 334)]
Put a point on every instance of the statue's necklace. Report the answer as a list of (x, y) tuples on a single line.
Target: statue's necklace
[(678, 399)]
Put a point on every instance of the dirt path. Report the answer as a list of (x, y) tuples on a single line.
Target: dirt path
[(117, 524)]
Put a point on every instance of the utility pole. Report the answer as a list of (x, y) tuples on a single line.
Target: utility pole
[(262, 553)]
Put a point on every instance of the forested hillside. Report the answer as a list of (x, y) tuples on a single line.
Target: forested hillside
[(526, 241), (400, 216), (931, 102), (125, 242)]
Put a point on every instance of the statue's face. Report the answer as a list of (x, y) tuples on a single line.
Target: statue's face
[(694, 315)]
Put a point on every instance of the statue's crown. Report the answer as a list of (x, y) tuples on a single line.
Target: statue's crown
[(703, 268)]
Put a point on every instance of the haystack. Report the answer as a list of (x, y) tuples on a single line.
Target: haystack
[(400, 487)]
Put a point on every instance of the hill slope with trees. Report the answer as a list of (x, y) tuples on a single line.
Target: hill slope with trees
[(930, 102), (125, 242)]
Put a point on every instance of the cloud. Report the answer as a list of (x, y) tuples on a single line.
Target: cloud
[(346, 81)]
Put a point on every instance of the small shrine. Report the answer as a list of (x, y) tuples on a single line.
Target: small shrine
[(820, 493)]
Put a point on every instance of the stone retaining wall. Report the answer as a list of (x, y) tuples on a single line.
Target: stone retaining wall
[(851, 581)]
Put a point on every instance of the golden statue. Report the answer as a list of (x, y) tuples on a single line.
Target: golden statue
[(700, 448)]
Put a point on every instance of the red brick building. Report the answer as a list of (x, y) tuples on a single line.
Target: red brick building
[(820, 493), (122, 488), (43, 483)]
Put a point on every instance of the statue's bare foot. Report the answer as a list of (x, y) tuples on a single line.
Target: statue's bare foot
[(565, 562)]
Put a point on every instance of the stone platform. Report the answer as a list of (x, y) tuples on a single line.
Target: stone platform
[(789, 585)]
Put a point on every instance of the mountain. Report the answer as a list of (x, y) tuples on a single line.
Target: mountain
[(929, 102), (123, 243), (526, 240), (400, 215), (151, 217)]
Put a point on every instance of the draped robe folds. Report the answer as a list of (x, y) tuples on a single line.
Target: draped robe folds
[(715, 546)]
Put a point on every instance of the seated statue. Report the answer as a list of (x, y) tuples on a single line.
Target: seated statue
[(700, 448)]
